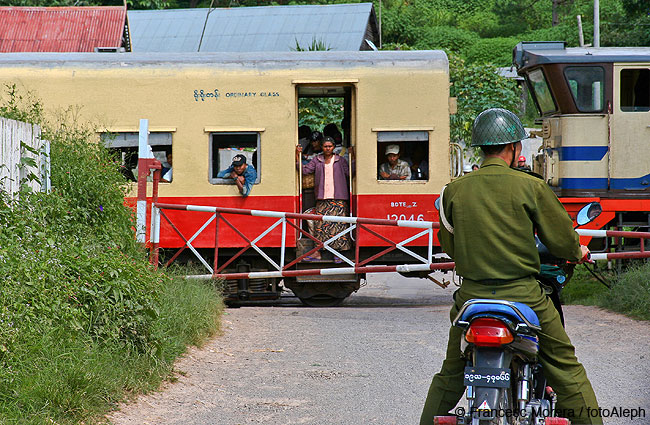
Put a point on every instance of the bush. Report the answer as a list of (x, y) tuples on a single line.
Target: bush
[(69, 257), (496, 51), (83, 317), (477, 87), (630, 293), (405, 22), (445, 38), (568, 33), (484, 23)]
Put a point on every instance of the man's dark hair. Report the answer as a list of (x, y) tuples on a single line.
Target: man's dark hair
[(493, 149), (304, 131), (316, 135)]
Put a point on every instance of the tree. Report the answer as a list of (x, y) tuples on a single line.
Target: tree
[(477, 87)]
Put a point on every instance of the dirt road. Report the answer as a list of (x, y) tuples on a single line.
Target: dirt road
[(369, 361)]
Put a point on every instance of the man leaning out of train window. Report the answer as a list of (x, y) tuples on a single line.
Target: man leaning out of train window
[(243, 174)]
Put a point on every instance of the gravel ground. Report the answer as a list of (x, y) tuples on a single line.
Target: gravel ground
[(369, 361)]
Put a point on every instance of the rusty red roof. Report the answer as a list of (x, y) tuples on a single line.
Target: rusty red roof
[(60, 29)]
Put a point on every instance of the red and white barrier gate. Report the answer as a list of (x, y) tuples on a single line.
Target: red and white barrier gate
[(642, 236), (356, 225)]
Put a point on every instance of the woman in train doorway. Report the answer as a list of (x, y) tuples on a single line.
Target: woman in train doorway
[(331, 174)]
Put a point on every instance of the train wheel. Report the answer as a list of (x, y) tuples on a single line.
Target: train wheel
[(321, 294), (322, 300)]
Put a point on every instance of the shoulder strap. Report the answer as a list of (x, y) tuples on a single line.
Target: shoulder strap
[(443, 219)]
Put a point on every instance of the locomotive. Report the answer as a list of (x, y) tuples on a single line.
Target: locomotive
[(594, 108)]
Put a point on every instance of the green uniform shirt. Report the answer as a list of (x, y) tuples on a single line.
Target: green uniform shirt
[(495, 212)]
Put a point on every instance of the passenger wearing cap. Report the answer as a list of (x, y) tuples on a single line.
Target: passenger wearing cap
[(243, 174), (395, 168)]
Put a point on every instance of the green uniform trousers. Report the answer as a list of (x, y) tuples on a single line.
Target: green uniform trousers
[(563, 372)]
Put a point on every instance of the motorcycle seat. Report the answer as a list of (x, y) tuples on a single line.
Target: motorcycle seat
[(479, 306)]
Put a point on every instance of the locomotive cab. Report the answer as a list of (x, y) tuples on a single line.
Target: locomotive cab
[(594, 105), (594, 108)]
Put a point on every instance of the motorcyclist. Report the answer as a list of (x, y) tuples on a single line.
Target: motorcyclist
[(488, 221)]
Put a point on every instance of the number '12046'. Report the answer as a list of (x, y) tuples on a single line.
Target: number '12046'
[(412, 217)]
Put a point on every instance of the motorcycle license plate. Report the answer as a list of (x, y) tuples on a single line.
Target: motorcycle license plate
[(487, 377)]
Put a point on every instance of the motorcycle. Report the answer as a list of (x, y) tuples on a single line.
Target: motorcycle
[(504, 382)]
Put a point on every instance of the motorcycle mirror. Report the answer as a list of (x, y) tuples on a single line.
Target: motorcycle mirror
[(588, 213), (437, 203)]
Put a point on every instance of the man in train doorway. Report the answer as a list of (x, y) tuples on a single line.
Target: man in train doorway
[(243, 174), (490, 218)]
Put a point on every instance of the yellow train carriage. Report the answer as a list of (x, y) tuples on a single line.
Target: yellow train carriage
[(205, 108)]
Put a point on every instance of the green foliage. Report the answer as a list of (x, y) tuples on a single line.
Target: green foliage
[(485, 24), (496, 51), (81, 312), (561, 32), (636, 7), (477, 87), (317, 112), (405, 22), (583, 288), (396, 46), (445, 38), (626, 25), (316, 45), (70, 378), (463, 7), (486, 31), (20, 107), (629, 293)]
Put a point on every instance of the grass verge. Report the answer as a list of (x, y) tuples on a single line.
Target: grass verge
[(85, 321), (629, 293), (69, 378)]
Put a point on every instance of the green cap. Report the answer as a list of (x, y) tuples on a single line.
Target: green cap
[(497, 126)]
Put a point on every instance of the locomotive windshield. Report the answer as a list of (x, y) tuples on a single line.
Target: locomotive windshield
[(539, 86), (587, 85)]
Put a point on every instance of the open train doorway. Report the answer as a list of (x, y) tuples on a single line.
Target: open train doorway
[(324, 111), (325, 117)]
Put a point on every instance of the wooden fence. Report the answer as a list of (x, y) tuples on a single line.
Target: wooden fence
[(24, 157)]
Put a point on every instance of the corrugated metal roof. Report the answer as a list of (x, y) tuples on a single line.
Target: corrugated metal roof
[(60, 29), (266, 28)]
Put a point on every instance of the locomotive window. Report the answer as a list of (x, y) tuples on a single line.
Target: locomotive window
[(539, 86), (224, 146), (403, 155), (124, 145), (587, 84), (635, 90)]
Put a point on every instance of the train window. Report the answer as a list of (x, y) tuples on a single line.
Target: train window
[(124, 145), (587, 84), (539, 86), (635, 90), (403, 155), (224, 146)]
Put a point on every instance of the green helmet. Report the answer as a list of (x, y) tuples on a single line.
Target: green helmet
[(497, 126)]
